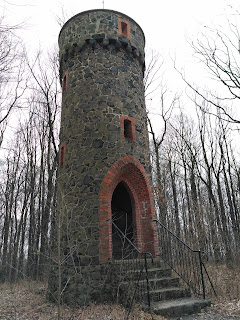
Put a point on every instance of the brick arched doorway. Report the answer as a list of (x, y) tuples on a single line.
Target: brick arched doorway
[(129, 176)]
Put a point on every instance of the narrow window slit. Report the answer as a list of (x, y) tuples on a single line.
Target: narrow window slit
[(64, 83), (62, 155), (124, 28), (127, 129)]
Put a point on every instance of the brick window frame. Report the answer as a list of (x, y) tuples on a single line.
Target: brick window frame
[(62, 152), (127, 128), (130, 172), (124, 28), (64, 82)]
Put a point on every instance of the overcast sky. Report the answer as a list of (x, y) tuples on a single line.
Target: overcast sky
[(167, 24)]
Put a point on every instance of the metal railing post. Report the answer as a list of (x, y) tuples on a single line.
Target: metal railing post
[(147, 280), (202, 277), (192, 257), (142, 266), (134, 295)]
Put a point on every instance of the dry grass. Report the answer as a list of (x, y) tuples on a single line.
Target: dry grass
[(227, 285), (27, 301)]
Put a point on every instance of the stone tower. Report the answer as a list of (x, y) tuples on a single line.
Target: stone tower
[(104, 169)]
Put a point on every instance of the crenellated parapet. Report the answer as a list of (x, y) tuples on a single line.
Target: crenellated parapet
[(109, 29)]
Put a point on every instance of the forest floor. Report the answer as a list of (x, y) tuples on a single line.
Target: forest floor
[(26, 300)]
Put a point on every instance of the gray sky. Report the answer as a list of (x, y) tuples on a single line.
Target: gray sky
[(167, 24)]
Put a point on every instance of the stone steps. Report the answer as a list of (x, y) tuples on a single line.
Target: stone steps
[(156, 284), (163, 282), (168, 297), (153, 274), (156, 273), (178, 307), (169, 293)]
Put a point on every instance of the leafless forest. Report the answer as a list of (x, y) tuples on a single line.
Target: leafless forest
[(195, 159)]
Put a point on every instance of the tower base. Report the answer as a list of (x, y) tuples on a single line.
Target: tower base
[(81, 285)]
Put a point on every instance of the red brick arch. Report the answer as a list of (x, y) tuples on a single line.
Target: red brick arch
[(129, 171)]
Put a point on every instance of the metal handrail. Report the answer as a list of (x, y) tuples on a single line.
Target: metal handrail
[(180, 273), (129, 241), (145, 254)]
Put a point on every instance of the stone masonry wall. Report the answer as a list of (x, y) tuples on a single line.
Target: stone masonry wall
[(102, 82)]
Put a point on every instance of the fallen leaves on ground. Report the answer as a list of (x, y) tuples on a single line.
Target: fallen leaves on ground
[(227, 308), (27, 301)]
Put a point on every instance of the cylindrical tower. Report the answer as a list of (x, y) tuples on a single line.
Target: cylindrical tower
[(104, 169)]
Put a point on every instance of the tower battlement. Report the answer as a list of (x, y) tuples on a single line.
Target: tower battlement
[(106, 28)]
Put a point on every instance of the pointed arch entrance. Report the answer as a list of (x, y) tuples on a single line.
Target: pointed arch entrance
[(122, 215), (128, 181)]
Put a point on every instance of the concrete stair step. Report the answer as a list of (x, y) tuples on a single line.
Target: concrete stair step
[(163, 282), (169, 293), (153, 273), (156, 272), (156, 263), (154, 284), (179, 307)]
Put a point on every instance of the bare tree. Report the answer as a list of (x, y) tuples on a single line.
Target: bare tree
[(218, 51), (12, 78), (45, 88), (29, 171)]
